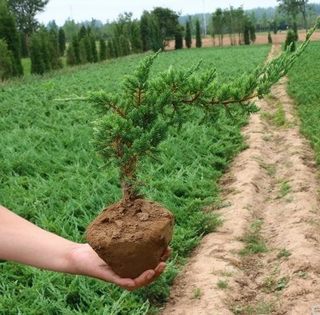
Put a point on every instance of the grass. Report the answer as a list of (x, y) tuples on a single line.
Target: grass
[(304, 82), (254, 242), (261, 308), (271, 284), (197, 293), (222, 284), (276, 118), (283, 253), (271, 169), (284, 189), (51, 175)]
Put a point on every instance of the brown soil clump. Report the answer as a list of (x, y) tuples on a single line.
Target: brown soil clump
[(131, 236)]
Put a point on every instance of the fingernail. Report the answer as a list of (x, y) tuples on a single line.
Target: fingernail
[(150, 275)]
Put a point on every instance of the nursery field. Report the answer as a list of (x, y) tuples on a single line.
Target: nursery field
[(264, 259), (304, 83), (51, 175)]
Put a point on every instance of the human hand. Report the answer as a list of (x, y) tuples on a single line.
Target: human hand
[(85, 261)]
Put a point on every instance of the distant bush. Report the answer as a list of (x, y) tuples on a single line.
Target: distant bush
[(290, 42)]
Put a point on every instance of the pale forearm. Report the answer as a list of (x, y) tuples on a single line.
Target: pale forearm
[(23, 242)]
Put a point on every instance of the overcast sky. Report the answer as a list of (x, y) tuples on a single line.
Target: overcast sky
[(80, 10)]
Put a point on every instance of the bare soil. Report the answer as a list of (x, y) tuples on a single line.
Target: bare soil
[(274, 183), (131, 236), (262, 38)]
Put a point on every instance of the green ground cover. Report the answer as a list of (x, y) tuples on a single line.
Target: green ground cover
[(304, 87), (51, 175)]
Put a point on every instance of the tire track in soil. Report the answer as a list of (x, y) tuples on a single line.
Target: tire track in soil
[(276, 181)]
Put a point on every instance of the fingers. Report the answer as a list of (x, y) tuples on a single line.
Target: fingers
[(127, 284), (145, 279), (166, 254), (160, 269)]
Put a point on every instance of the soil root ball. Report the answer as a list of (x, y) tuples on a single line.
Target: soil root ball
[(131, 236)]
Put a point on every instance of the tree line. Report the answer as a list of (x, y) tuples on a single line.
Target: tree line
[(22, 36)]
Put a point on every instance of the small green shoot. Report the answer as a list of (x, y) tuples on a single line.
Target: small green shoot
[(271, 284), (222, 284), (269, 168), (254, 242), (283, 253), (285, 189), (197, 294), (278, 118)]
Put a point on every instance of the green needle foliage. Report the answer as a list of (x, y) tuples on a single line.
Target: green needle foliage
[(49, 163), (137, 120)]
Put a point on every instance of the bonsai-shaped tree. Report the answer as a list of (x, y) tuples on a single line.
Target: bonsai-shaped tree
[(132, 235)]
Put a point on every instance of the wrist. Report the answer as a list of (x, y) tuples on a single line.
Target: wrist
[(75, 258)]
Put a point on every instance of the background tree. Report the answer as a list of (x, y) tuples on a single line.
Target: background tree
[(240, 19), (198, 35), (94, 50), (52, 25), (110, 50), (9, 33), (179, 38), (62, 41), (44, 51), (218, 25), (167, 21), (102, 50), (246, 33), (252, 31), (83, 32), (24, 49), (291, 8), (71, 56), (157, 41), (75, 48), (85, 50), (25, 12), (188, 37), (53, 46), (6, 66), (71, 29), (134, 36), (124, 46), (116, 47), (303, 10), (38, 65), (145, 31), (229, 19)]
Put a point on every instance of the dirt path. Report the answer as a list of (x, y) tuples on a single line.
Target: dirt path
[(265, 259)]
